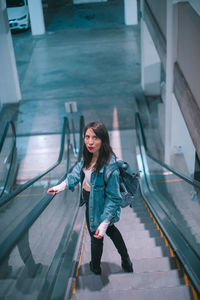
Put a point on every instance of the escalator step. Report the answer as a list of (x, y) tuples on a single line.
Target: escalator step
[(159, 264), (134, 219), (138, 226), (149, 252), (150, 242), (140, 234), (150, 265), (174, 293), (131, 281)]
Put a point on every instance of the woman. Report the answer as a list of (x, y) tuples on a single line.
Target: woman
[(102, 200)]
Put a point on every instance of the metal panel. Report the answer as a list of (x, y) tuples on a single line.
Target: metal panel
[(188, 50), (188, 106), (159, 10), (156, 33)]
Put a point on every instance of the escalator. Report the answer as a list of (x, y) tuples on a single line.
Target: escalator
[(156, 273), (161, 232), (46, 255), (36, 228)]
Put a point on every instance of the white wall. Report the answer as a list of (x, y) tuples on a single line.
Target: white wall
[(150, 63), (9, 83)]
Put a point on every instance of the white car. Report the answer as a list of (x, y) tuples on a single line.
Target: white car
[(18, 14)]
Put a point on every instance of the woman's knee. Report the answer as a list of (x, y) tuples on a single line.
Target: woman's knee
[(96, 241)]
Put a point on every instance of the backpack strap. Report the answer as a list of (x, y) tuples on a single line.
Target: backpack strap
[(108, 171)]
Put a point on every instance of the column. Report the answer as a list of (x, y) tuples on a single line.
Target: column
[(130, 12), (9, 82), (36, 17)]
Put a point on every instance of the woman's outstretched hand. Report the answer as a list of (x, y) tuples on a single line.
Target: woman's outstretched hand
[(52, 191), (57, 188)]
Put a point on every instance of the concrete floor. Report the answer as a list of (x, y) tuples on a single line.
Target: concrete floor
[(97, 66), (87, 56)]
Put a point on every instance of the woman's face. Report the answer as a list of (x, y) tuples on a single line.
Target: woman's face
[(92, 142)]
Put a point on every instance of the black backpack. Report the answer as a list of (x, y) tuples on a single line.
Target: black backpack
[(129, 182)]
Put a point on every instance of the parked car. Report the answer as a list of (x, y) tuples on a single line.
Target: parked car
[(18, 14)]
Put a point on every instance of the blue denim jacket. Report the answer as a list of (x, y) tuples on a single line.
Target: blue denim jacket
[(104, 201)]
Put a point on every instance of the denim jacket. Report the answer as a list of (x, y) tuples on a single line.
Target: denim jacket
[(104, 201)]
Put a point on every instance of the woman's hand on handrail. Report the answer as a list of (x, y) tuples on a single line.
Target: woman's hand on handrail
[(57, 188), (52, 191)]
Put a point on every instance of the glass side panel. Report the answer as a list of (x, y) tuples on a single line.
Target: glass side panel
[(17, 208), (24, 271), (180, 200), (37, 255), (5, 159)]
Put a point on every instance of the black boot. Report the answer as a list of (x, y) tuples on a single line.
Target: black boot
[(127, 265), (96, 271)]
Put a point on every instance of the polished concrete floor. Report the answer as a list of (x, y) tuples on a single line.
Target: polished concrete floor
[(97, 66), (87, 56)]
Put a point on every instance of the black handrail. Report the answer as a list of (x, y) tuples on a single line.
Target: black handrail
[(73, 127), (82, 125), (12, 239), (5, 133), (176, 172), (21, 188)]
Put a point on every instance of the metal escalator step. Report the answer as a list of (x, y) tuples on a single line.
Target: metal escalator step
[(157, 264), (137, 226), (148, 252), (141, 213), (139, 234), (144, 265), (134, 219), (125, 281), (139, 207), (135, 214), (139, 253), (138, 203), (174, 293), (150, 242), (136, 208)]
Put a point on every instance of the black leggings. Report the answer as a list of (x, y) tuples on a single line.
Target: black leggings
[(97, 244)]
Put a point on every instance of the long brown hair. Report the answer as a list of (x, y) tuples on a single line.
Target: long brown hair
[(105, 152)]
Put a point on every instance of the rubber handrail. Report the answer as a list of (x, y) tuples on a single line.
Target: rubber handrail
[(21, 188), (139, 126), (5, 133), (82, 125), (12, 239)]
